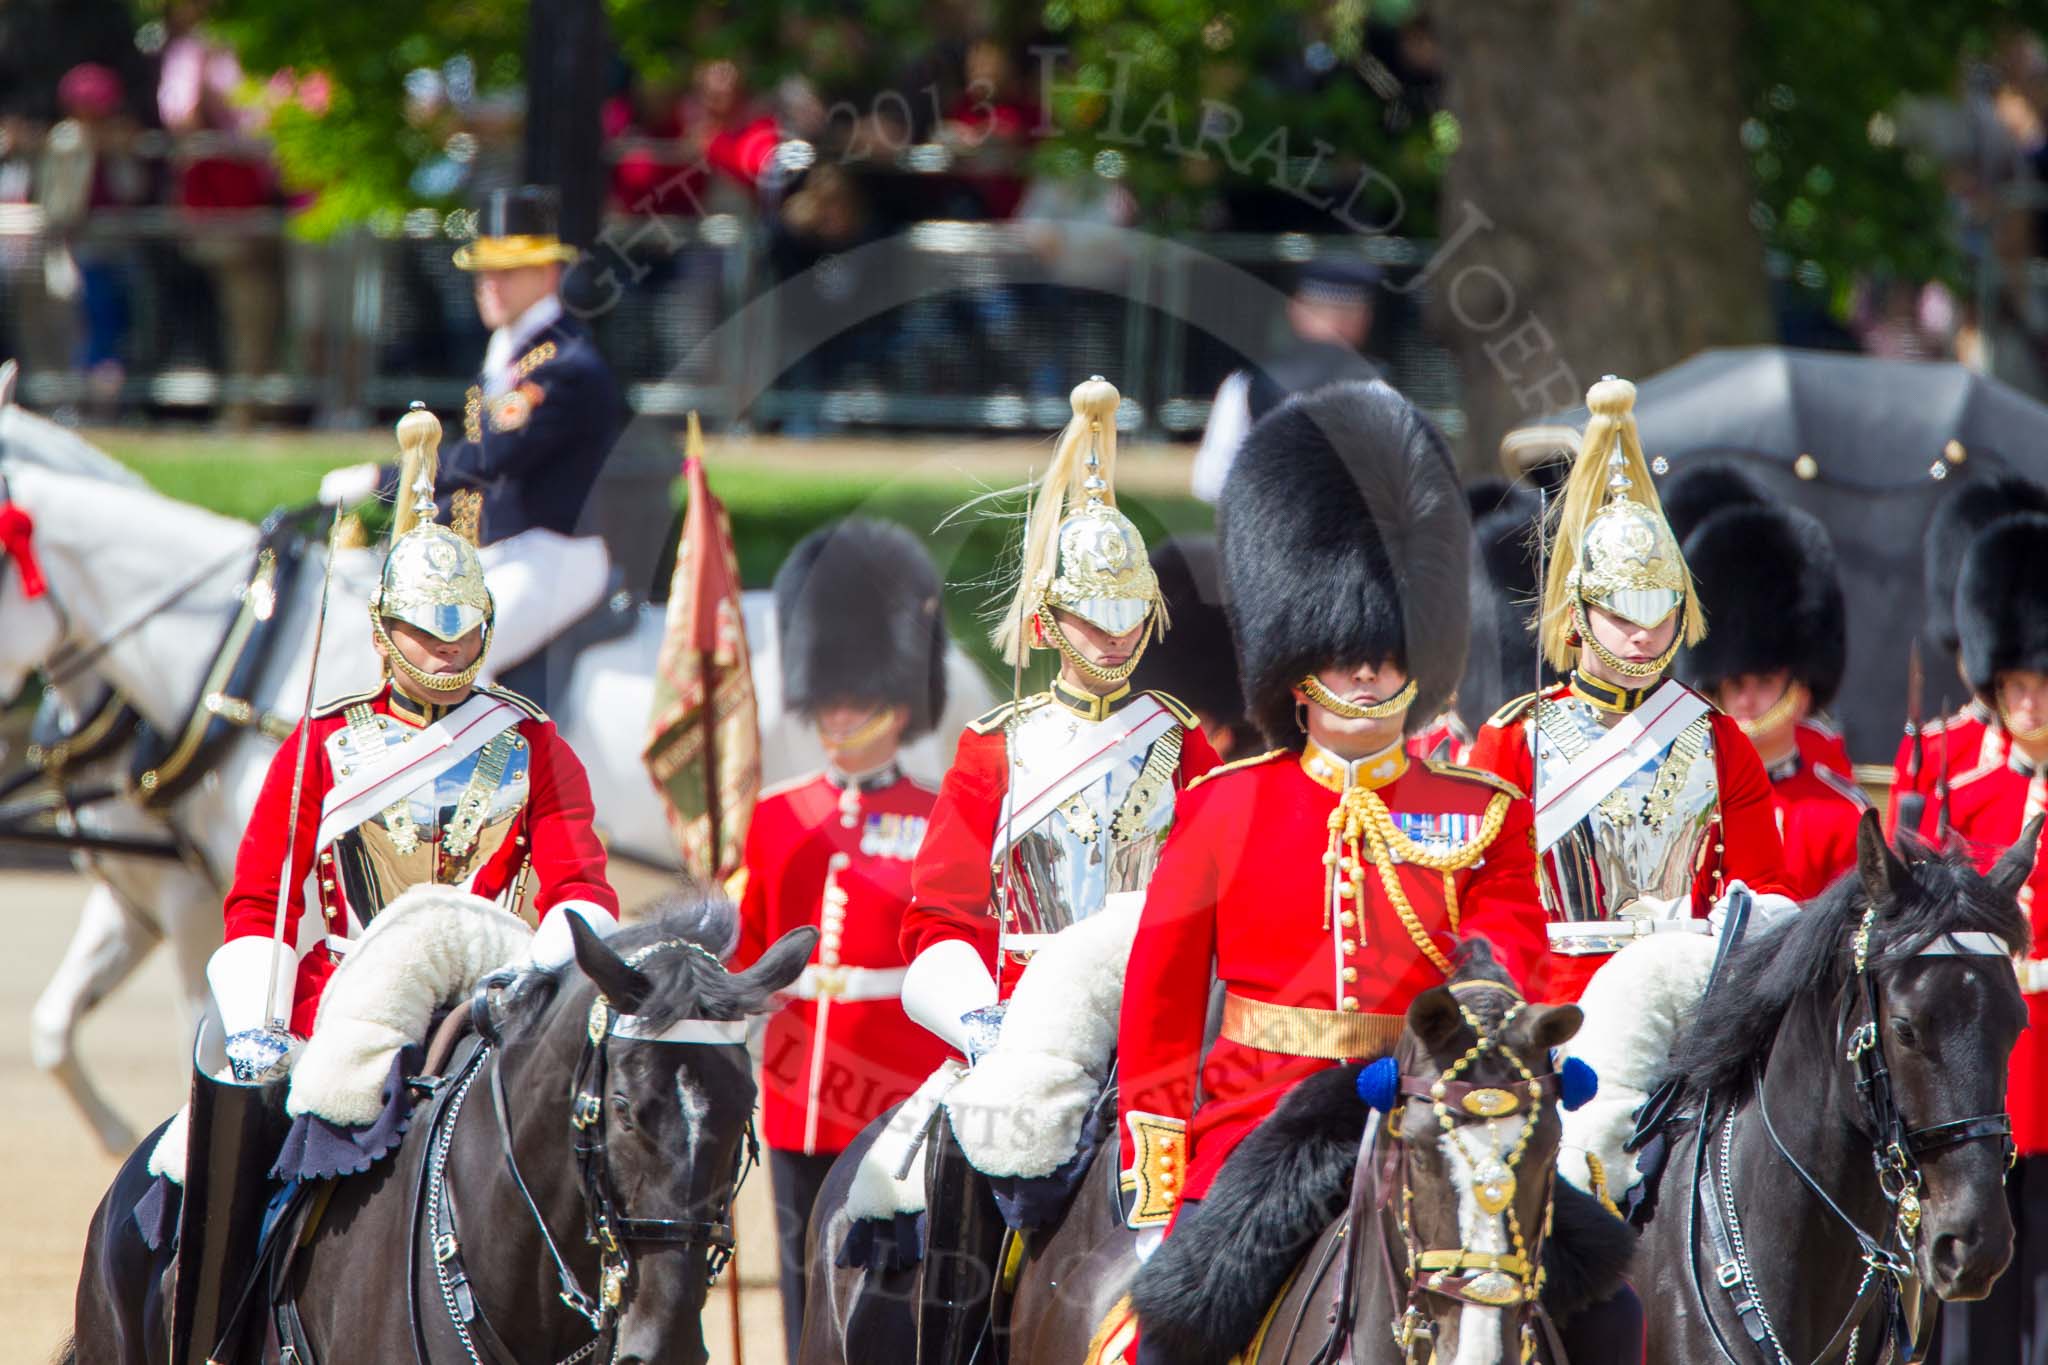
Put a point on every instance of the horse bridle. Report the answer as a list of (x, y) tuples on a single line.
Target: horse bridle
[(1896, 1150), (1512, 1280), (606, 1225)]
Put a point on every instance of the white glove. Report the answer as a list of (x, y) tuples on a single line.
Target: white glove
[(553, 945), (2033, 973), (1765, 907), (349, 484), (943, 983), (241, 972)]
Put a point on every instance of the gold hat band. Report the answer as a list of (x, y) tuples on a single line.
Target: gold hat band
[(511, 253)]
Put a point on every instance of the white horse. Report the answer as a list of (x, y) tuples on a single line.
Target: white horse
[(110, 548)]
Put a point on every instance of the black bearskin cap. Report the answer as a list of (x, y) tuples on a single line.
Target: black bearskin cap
[(2002, 603), (1701, 488), (1345, 540), (859, 613), (1773, 597), (1502, 662), (1195, 661), (1964, 511)]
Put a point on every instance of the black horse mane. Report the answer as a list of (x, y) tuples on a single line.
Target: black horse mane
[(1811, 952), (688, 982)]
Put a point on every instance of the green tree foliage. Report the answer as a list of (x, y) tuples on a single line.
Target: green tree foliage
[(1181, 99), (1838, 191)]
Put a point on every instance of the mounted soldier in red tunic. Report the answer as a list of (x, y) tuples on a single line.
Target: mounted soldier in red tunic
[(427, 780), (1054, 811), (1650, 803)]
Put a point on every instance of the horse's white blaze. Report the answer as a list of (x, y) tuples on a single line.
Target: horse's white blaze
[(1477, 1152), (696, 1107)]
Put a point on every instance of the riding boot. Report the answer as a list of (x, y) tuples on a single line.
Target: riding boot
[(233, 1134), (963, 1241)]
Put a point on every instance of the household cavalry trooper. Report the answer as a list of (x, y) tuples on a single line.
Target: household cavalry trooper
[(2001, 615), (1933, 754), (1650, 803), (429, 778), (1056, 805), (1773, 661), (863, 653), (1329, 880)]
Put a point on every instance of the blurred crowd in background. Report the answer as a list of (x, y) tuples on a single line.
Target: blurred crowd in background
[(144, 225)]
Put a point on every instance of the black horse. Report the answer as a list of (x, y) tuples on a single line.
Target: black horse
[(1835, 1153), (589, 1171)]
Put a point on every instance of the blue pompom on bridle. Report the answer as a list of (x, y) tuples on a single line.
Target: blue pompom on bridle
[(1379, 1084), (1576, 1083)]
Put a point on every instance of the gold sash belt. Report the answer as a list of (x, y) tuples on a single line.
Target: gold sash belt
[(1295, 1032)]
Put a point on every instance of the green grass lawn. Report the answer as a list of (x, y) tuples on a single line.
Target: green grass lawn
[(772, 506)]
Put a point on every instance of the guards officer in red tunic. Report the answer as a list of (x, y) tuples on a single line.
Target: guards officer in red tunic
[(863, 650), (1055, 806), (1773, 660), (1935, 753), (1650, 803), (1329, 880), (2001, 615)]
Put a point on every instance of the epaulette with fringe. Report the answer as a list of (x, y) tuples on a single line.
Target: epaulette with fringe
[(995, 718), (1236, 765), (1494, 780)]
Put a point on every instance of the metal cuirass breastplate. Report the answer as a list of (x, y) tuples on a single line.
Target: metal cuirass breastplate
[(442, 831), (1634, 853), (1102, 836)]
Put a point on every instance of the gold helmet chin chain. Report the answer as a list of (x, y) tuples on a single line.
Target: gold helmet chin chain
[(1780, 711), (1094, 672), (433, 682), (1614, 661)]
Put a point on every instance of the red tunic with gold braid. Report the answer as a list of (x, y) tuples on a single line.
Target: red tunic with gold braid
[(550, 843), (1950, 747), (1988, 807), (1319, 963), (835, 854), (1819, 806), (1740, 843), (953, 881)]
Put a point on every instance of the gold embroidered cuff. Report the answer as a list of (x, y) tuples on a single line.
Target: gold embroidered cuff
[(1332, 1035), (1158, 1165)]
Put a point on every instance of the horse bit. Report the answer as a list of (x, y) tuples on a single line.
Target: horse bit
[(1896, 1151), (606, 1226), (1485, 1279)]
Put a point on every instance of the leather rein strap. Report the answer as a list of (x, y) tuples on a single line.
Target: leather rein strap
[(1895, 1152)]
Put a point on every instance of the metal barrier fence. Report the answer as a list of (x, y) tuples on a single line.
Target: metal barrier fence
[(230, 312)]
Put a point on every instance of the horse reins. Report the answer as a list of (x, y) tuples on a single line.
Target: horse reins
[(1896, 1150), (606, 1226), (1498, 1280)]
